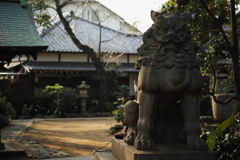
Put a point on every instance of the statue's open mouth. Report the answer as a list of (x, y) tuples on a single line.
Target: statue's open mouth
[(170, 47)]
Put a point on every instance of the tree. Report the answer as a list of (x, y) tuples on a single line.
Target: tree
[(95, 57), (104, 88), (214, 33), (41, 15)]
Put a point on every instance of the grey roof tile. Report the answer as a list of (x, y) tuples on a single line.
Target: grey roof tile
[(73, 66), (88, 33)]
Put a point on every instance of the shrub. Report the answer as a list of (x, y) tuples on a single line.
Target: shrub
[(6, 110), (225, 139), (65, 101), (34, 105), (17, 106)]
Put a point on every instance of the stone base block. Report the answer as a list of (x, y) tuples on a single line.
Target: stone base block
[(2, 146), (107, 155), (164, 151)]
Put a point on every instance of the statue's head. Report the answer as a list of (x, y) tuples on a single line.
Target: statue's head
[(168, 38), (170, 27)]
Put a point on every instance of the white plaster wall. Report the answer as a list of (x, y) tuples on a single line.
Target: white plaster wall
[(133, 58), (115, 57), (73, 57), (107, 18), (51, 11), (22, 58), (50, 57), (132, 78)]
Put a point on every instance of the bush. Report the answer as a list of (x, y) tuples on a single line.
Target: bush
[(225, 139), (65, 100), (6, 111), (17, 106), (38, 105), (118, 113)]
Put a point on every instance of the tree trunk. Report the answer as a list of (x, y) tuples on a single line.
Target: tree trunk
[(103, 89)]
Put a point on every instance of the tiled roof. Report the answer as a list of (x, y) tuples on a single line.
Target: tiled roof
[(17, 28), (88, 33), (73, 66)]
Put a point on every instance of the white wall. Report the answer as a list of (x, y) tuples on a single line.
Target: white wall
[(47, 57), (132, 78), (115, 57), (123, 58), (64, 57), (133, 58), (73, 57)]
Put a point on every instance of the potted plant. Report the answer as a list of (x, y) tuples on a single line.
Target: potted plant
[(224, 90), (118, 116)]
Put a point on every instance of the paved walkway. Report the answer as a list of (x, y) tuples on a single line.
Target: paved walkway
[(13, 134), (72, 158)]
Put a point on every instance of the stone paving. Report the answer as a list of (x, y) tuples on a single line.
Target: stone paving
[(13, 134)]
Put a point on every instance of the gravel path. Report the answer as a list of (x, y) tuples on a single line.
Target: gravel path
[(13, 134)]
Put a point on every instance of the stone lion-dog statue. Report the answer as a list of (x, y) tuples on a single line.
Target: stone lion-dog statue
[(169, 73)]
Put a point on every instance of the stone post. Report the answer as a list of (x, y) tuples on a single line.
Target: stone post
[(83, 91)]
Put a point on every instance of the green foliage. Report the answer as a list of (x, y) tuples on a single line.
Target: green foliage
[(16, 104), (117, 90), (118, 113), (134, 27), (58, 89), (65, 101), (6, 109), (121, 91), (225, 139), (41, 15), (225, 86), (38, 105)]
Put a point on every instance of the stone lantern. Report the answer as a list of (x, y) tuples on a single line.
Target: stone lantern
[(83, 91)]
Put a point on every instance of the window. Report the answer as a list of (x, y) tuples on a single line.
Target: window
[(95, 16), (92, 15)]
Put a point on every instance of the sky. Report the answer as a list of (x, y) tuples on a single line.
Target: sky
[(134, 10)]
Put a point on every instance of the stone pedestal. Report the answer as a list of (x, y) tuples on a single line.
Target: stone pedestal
[(164, 151), (83, 91), (11, 150), (83, 104)]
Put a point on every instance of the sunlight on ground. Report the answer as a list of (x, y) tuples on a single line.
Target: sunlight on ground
[(75, 137)]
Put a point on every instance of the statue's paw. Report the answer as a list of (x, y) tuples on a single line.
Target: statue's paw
[(131, 135), (196, 143), (129, 139), (144, 144)]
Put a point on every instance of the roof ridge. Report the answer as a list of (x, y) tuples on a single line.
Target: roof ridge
[(52, 27), (94, 23)]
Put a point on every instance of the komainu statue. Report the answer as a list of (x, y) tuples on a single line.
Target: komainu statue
[(167, 101)]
